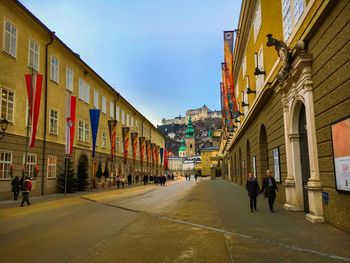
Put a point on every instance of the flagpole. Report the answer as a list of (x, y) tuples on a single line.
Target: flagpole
[(65, 174)]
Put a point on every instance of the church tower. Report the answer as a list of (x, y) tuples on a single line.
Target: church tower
[(190, 142)]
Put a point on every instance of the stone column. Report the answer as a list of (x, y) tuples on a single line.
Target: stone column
[(289, 183), (314, 184)]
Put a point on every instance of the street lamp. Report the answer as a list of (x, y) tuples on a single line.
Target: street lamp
[(4, 123)]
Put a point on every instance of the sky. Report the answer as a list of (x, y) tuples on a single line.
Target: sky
[(163, 56)]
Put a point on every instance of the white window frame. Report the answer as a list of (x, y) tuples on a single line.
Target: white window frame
[(31, 163), (244, 66), (5, 164), (83, 131), (260, 79), (51, 170), (117, 144), (117, 113), (55, 72), (96, 99), (245, 99), (53, 122), (87, 93), (84, 91), (9, 114), (123, 117), (104, 139), (298, 10), (103, 106), (34, 55), (11, 37), (69, 79), (127, 120), (132, 122), (257, 20), (111, 109)]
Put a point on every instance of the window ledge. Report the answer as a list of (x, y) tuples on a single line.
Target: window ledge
[(9, 55)]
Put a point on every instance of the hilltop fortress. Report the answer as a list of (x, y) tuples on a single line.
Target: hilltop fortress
[(196, 115)]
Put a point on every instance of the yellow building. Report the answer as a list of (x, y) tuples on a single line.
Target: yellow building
[(209, 157), (28, 46), (293, 101)]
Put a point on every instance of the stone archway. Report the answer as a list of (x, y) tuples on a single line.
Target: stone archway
[(298, 110), (240, 166), (249, 168)]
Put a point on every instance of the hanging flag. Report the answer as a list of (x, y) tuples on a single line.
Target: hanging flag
[(70, 122), (125, 131), (134, 145), (34, 86), (228, 117), (223, 122), (148, 151), (142, 148), (112, 128), (94, 120), (165, 160), (157, 155), (153, 149), (228, 58), (161, 156)]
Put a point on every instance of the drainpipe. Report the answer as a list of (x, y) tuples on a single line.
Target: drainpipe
[(52, 37)]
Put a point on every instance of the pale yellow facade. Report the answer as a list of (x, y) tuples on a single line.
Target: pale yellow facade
[(61, 62)]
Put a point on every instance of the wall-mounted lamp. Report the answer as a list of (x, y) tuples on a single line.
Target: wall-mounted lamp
[(4, 123), (239, 112), (243, 102), (237, 120), (257, 71), (249, 91)]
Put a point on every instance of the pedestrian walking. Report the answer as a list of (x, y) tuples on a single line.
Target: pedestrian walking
[(195, 177), (26, 188), (186, 177), (129, 179), (172, 177), (118, 181), (145, 179), (16, 187), (253, 189), (189, 178), (269, 189), (123, 181)]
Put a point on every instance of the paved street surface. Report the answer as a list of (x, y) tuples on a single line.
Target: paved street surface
[(185, 221)]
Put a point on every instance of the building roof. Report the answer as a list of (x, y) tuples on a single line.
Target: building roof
[(210, 148)]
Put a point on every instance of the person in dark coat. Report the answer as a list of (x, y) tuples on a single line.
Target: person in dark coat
[(129, 179), (253, 189), (269, 189), (16, 187)]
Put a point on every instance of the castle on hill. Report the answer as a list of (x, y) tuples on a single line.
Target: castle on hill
[(202, 113)]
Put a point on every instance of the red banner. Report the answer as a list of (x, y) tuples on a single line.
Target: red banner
[(70, 122), (148, 151), (125, 131), (34, 86), (112, 127), (142, 149), (157, 155), (165, 160), (134, 145)]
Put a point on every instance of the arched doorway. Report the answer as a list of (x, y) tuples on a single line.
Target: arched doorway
[(240, 166), (263, 150), (83, 173), (235, 167), (249, 168)]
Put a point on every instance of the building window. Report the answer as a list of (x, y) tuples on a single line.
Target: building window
[(291, 16), (245, 99), (117, 111), (127, 120), (7, 104), (132, 122), (5, 165), (31, 164), (54, 69), (104, 139), (53, 128), (123, 117), (104, 110), (259, 79), (84, 91), (10, 39), (111, 109), (257, 20), (96, 95), (69, 79), (34, 51), (51, 166), (83, 131), (244, 66)]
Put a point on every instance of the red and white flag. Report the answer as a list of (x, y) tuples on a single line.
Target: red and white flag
[(70, 123), (34, 86)]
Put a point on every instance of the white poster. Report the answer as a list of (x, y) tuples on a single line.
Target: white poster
[(341, 151), (254, 166), (276, 164)]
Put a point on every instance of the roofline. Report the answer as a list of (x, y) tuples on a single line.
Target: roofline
[(82, 61)]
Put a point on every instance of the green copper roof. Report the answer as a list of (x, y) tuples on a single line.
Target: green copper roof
[(190, 130), (182, 147)]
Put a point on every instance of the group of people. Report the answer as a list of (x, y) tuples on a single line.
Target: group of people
[(19, 185), (159, 179), (269, 189), (189, 177)]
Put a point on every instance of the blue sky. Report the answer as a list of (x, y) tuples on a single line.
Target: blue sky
[(163, 56)]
